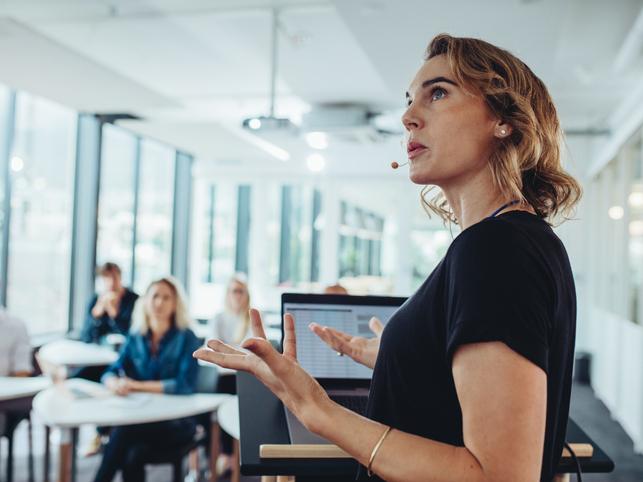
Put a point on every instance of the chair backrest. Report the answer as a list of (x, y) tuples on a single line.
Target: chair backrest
[(207, 378)]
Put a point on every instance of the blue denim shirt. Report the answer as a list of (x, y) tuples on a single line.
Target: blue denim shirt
[(172, 364)]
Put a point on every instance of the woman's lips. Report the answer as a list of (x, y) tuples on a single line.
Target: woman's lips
[(415, 151)]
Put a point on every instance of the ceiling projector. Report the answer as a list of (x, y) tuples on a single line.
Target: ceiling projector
[(268, 124)]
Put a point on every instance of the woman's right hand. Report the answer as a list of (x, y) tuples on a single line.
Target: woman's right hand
[(119, 385), (362, 350)]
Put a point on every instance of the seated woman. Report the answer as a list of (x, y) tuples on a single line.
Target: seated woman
[(233, 324), (156, 358), (109, 311)]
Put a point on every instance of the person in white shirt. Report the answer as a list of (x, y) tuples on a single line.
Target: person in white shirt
[(15, 353), (233, 324), (15, 349)]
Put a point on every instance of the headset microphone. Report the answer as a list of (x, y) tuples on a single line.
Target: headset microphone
[(396, 164)]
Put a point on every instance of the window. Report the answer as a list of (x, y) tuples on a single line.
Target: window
[(153, 246), (267, 232), (243, 230), (219, 265), (316, 241), (347, 239), (360, 242), (42, 167), (429, 247), (221, 243), (635, 232), (6, 125), (296, 235), (116, 200), (375, 227)]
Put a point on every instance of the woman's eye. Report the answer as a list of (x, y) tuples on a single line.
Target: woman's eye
[(438, 94)]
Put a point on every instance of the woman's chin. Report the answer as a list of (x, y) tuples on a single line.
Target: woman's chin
[(419, 176), (423, 173)]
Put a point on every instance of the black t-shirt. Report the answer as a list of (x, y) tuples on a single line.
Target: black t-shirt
[(504, 279)]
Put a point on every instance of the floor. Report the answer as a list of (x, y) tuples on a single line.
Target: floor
[(586, 410), (594, 418)]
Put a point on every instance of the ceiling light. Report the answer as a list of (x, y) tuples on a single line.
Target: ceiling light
[(17, 164), (317, 140), (636, 199), (616, 212), (636, 229), (254, 123), (315, 162)]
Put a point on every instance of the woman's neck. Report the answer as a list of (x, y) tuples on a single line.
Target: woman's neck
[(476, 199), (238, 313), (159, 327)]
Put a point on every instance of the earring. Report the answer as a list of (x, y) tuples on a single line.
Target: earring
[(503, 132)]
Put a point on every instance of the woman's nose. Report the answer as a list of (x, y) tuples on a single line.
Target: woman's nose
[(410, 119)]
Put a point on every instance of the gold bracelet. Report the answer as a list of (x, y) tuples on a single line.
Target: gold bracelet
[(375, 449)]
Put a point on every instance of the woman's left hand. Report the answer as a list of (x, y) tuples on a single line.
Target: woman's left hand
[(281, 373)]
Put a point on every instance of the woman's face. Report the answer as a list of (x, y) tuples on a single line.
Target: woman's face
[(161, 302), (237, 296), (450, 133), (111, 281)]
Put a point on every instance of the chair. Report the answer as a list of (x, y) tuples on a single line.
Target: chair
[(13, 419), (207, 377)]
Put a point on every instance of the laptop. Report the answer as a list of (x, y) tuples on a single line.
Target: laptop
[(346, 381)]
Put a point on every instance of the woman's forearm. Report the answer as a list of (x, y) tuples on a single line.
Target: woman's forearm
[(402, 456), (98, 310), (152, 386)]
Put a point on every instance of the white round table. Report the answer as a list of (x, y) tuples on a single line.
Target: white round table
[(12, 388), (228, 415), (77, 402), (72, 353), (16, 394)]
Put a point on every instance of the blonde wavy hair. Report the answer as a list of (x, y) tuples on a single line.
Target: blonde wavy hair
[(181, 319), (242, 329), (526, 165)]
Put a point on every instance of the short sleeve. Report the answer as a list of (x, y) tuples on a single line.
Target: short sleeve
[(216, 326), (499, 290), (22, 353)]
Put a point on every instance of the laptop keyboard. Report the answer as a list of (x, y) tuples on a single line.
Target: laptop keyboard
[(356, 403)]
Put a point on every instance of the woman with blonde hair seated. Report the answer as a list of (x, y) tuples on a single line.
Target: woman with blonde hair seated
[(233, 326), (233, 323), (156, 358)]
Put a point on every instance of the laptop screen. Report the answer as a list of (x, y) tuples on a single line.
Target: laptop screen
[(349, 314)]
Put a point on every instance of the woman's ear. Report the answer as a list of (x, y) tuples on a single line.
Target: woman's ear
[(502, 129)]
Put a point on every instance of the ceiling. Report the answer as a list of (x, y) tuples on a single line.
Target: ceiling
[(193, 69)]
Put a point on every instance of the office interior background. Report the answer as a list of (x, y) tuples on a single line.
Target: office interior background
[(122, 139)]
